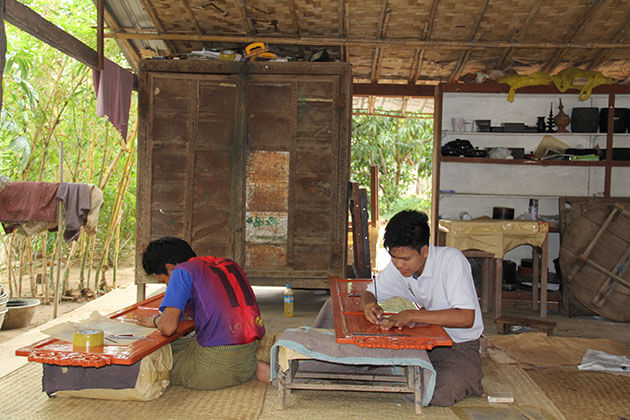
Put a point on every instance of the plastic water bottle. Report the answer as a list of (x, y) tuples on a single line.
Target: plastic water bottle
[(288, 301)]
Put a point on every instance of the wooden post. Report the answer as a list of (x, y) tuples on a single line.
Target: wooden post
[(59, 233), (374, 194), (100, 48), (3, 48)]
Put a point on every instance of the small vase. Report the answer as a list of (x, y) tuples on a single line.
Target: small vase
[(561, 119), (540, 125)]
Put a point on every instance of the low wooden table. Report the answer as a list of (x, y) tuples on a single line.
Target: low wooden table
[(351, 328), (59, 352)]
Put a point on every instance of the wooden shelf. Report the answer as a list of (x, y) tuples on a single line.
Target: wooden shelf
[(510, 133), (601, 163)]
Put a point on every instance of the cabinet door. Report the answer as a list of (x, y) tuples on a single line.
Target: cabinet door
[(190, 166), (297, 170)]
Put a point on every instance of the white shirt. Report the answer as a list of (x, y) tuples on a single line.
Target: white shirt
[(446, 282)]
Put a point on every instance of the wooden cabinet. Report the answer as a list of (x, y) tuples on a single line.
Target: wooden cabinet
[(248, 161), (476, 185)]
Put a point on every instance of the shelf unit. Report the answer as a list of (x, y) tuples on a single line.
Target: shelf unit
[(476, 185)]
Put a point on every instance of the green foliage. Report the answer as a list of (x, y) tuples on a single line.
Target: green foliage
[(48, 101), (402, 149)]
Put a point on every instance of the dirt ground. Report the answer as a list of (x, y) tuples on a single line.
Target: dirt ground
[(44, 312)]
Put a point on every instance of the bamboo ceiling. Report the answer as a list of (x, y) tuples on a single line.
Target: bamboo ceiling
[(403, 42)]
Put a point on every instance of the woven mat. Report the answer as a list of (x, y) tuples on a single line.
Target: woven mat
[(530, 402), (585, 395), (21, 397)]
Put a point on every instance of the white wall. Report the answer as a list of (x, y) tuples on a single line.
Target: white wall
[(476, 187)]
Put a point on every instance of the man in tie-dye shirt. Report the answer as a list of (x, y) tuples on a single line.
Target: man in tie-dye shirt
[(217, 295)]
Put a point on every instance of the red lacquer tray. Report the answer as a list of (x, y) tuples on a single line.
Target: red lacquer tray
[(59, 352), (352, 327)]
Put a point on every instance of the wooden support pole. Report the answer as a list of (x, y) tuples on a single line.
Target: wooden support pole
[(3, 48), (100, 47), (59, 233)]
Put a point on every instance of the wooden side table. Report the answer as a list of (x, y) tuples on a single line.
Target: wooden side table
[(490, 239)]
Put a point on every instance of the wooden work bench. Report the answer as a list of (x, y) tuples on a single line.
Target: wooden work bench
[(60, 352), (352, 329)]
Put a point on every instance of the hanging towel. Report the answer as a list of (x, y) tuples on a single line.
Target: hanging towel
[(29, 201), (76, 198), (96, 202), (113, 87)]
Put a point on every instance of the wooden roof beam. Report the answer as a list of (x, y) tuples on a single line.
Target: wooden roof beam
[(506, 57), (585, 18), (601, 56), (294, 19), (29, 21), (251, 29), (128, 48), (380, 34), (148, 6), (418, 55), (344, 26), (443, 44), (194, 19), (391, 90), (465, 56)]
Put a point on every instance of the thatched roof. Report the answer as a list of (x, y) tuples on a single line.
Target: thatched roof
[(403, 42)]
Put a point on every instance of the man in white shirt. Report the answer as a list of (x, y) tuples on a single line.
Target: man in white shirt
[(439, 281)]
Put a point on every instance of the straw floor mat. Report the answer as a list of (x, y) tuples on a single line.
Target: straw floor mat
[(530, 402), (21, 397), (585, 395)]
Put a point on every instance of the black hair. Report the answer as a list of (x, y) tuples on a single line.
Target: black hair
[(408, 228), (166, 250)]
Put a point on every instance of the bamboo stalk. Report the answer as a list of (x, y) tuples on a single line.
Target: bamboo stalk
[(83, 254), (66, 270), (124, 182), (44, 266), (22, 250), (30, 267), (116, 251), (10, 265)]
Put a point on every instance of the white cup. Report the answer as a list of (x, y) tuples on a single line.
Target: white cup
[(468, 125), (458, 124)]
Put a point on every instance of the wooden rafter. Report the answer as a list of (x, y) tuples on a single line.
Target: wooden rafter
[(418, 54), (601, 56), (148, 6), (194, 19), (294, 18), (128, 48), (443, 44), (576, 28), (251, 29), (506, 57), (380, 34), (344, 25), (465, 56)]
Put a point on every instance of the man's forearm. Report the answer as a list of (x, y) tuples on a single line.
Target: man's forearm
[(366, 298), (453, 318)]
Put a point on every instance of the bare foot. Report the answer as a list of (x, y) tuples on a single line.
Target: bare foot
[(263, 372)]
